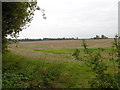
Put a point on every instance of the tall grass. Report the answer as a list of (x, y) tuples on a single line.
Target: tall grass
[(22, 72), (19, 71)]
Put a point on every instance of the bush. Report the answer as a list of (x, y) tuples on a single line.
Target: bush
[(95, 61)]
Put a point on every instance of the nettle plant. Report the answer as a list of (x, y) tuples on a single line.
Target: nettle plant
[(95, 61)]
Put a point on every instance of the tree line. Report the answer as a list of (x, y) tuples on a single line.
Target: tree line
[(27, 39)]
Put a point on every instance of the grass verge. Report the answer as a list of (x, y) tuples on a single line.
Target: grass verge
[(22, 72)]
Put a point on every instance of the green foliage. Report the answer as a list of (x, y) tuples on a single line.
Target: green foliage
[(95, 61), (76, 54), (15, 18), (14, 81)]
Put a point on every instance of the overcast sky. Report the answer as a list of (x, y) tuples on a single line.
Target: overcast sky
[(74, 18)]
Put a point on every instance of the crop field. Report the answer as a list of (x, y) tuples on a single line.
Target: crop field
[(51, 64), (57, 50)]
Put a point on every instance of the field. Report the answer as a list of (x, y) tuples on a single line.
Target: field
[(50, 64), (56, 50)]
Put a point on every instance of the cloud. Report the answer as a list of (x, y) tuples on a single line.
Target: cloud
[(75, 18)]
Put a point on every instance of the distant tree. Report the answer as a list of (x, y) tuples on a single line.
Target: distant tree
[(63, 38), (97, 37), (103, 37), (76, 37), (15, 18)]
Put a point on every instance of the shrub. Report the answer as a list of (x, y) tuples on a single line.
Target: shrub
[(95, 61)]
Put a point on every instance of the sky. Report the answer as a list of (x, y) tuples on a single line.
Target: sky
[(74, 18)]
